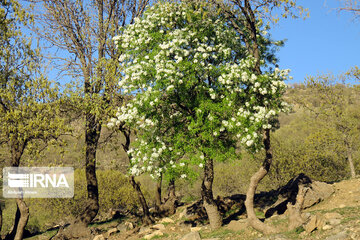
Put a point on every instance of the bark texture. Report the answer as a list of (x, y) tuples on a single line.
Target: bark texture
[(207, 196)]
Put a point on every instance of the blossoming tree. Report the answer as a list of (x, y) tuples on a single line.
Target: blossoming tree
[(195, 96)]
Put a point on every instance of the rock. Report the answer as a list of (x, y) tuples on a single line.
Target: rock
[(327, 227), (191, 236), (342, 205), (237, 225), (153, 234), (167, 220), (195, 229), (74, 231), (99, 237), (318, 192), (111, 232), (315, 222), (183, 214), (158, 226), (41, 237), (339, 236), (129, 225), (145, 230), (121, 228)]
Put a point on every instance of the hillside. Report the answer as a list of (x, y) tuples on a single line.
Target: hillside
[(335, 218)]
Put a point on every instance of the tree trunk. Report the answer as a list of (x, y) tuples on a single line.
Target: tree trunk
[(21, 219), (254, 181), (0, 216), (92, 134), (207, 196), (158, 201), (22, 211), (295, 218), (24, 217), (12, 233), (169, 207), (147, 219), (351, 163)]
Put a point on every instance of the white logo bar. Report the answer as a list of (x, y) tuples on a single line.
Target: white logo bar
[(38, 182)]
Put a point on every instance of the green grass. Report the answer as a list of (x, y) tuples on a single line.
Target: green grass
[(159, 237)]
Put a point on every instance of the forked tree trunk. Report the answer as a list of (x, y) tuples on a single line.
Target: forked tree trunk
[(147, 219), (207, 196), (254, 181), (92, 134)]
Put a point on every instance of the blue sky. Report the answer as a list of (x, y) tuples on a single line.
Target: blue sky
[(326, 42)]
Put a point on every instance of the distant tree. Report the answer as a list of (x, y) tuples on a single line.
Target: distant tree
[(337, 106), (195, 93), (83, 32), (305, 144), (29, 103)]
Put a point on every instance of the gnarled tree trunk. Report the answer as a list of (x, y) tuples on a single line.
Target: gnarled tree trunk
[(254, 181), (207, 196)]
